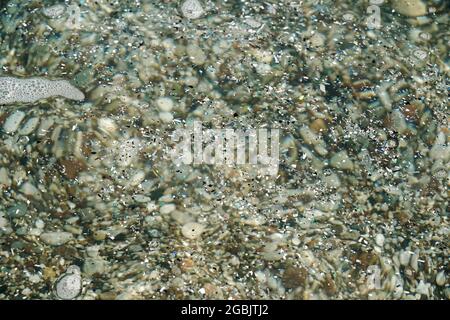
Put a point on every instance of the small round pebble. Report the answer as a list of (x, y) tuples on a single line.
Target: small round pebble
[(166, 117), (13, 121), (164, 104), (167, 208), (54, 11), (440, 278), (192, 230), (379, 240), (192, 9), (56, 238)]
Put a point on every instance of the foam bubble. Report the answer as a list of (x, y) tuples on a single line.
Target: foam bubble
[(34, 89), (54, 12)]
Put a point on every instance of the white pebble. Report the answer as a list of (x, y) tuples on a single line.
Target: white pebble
[(263, 68), (35, 232), (192, 9), (317, 40), (29, 126), (94, 266), (410, 8), (260, 276), (107, 125), (26, 291), (423, 288), (440, 149), (181, 217), (141, 198), (4, 177), (398, 121), (3, 222), (29, 189), (196, 54), (404, 258), (397, 287), (137, 178), (13, 121), (166, 117), (192, 230), (440, 278), (69, 285), (341, 160), (164, 104), (39, 224), (56, 238), (128, 152), (295, 241), (308, 135), (332, 181), (379, 240), (54, 11), (414, 263), (167, 208)]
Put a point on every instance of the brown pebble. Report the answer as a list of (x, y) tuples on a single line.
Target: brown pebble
[(48, 273), (67, 252), (311, 244), (367, 259), (107, 296), (410, 112), (402, 216), (294, 277), (72, 167), (61, 214), (212, 291), (362, 84), (329, 285), (186, 264), (99, 235), (318, 126)]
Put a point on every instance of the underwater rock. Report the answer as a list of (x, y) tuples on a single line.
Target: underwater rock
[(192, 230), (12, 123), (192, 9), (56, 238), (341, 161), (69, 285), (410, 8), (54, 11)]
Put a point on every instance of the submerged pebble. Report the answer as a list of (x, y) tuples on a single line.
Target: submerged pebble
[(69, 285), (192, 230), (354, 206), (54, 11), (12, 123), (56, 238), (341, 160), (192, 9), (410, 8)]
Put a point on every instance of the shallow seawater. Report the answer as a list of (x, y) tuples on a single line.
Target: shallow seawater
[(224, 149)]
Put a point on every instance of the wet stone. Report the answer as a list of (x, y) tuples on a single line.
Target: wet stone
[(56, 238), (294, 277), (69, 285), (17, 210)]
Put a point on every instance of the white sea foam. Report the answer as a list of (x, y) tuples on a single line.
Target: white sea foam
[(34, 89)]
